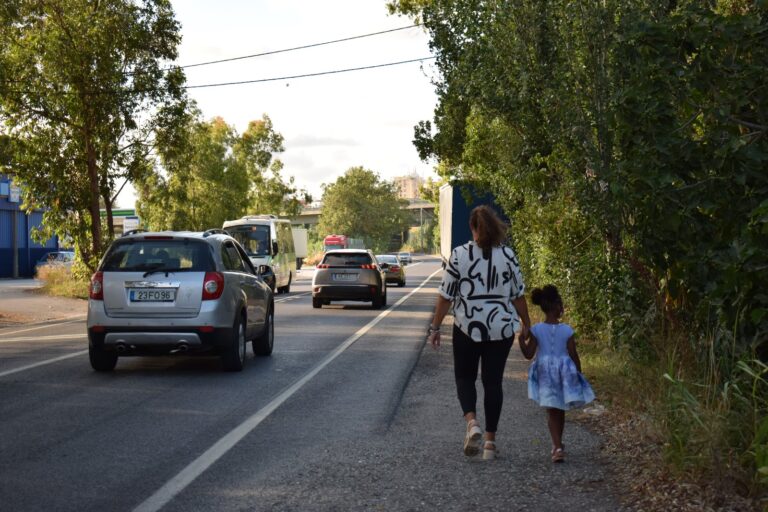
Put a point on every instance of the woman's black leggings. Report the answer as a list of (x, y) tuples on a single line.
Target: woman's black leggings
[(492, 355)]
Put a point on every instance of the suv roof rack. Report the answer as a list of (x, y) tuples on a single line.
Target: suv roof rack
[(214, 231), (260, 217), (133, 232)]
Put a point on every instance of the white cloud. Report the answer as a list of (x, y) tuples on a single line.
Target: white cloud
[(332, 122)]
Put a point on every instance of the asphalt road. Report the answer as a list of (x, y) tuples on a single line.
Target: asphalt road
[(178, 433)]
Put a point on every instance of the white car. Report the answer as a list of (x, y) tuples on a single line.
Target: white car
[(405, 257)]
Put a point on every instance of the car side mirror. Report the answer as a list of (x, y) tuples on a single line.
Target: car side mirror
[(384, 266), (274, 248)]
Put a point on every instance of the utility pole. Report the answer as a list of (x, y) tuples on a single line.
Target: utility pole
[(421, 226), (15, 242)]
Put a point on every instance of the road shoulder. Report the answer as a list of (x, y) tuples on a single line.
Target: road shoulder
[(418, 464), (22, 303)]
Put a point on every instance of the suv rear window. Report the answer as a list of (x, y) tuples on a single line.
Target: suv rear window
[(347, 260), (172, 255)]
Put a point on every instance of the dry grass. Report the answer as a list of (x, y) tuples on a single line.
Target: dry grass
[(313, 259), (60, 282), (637, 441), (10, 319)]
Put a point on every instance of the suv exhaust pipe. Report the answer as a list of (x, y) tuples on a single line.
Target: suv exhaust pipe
[(180, 348)]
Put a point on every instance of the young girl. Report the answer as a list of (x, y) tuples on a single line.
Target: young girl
[(554, 378)]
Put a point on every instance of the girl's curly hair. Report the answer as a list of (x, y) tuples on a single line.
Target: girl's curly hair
[(547, 297)]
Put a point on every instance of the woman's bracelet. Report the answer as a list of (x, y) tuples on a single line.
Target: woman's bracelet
[(432, 330)]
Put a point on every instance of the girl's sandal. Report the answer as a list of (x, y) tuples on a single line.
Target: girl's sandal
[(489, 450), (558, 455)]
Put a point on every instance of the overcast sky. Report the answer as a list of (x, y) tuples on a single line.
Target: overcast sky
[(330, 123)]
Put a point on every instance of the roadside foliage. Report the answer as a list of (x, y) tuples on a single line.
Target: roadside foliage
[(211, 173), (628, 143), (360, 204), (84, 98)]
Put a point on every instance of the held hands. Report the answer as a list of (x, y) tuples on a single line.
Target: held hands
[(524, 333), (433, 337)]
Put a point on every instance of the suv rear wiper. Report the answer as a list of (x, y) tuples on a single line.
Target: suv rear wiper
[(156, 270)]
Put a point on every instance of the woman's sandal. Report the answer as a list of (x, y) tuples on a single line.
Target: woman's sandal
[(558, 455), (472, 438), (489, 450)]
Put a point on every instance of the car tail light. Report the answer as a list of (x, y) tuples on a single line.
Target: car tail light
[(158, 237), (213, 285), (323, 265), (373, 289), (96, 289), (206, 328), (394, 268), (368, 267)]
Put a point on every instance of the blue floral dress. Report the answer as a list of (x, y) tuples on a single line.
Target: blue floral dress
[(553, 380)]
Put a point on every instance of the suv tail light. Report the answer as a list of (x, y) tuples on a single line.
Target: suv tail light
[(323, 265), (96, 288), (368, 267), (394, 268), (213, 285)]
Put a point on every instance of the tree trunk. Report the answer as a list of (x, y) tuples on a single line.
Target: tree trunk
[(108, 201), (93, 177)]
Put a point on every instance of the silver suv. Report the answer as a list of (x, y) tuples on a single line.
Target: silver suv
[(178, 292)]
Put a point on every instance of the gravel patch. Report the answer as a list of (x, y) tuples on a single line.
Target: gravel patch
[(417, 462)]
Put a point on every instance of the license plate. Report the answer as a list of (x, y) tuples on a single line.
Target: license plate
[(345, 277), (152, 295)]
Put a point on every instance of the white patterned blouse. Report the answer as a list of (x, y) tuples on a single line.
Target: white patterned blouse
[(482, 291)]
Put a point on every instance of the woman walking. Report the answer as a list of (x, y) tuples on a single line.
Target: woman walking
[(482, 279)]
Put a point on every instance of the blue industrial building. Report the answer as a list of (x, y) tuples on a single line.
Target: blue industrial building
[(18, 252)]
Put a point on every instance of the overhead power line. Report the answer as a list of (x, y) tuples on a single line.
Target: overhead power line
[(306, 75), (241, 82), (303, 47), (262, 54)]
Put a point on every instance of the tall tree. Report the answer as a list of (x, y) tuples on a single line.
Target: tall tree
[(631, 129), (361, 205), (211, 173), (83, 96)]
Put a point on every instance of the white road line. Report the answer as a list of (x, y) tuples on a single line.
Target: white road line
[(51, 337), (42, 363), (291, 297), (198, 466), (77, 318)]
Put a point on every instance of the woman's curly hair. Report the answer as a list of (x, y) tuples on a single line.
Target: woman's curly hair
[(490, 229)]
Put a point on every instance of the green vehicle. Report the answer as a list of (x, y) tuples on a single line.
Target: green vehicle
[(267, 241)]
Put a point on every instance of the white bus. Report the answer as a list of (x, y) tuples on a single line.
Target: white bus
[(268, 241)]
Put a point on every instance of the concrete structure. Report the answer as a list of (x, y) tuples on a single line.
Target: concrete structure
[(408, 186), (422, 211), (18, 252)]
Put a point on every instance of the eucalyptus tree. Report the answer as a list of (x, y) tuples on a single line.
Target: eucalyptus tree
[(85, 95), (211, 173), (360, 204)]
